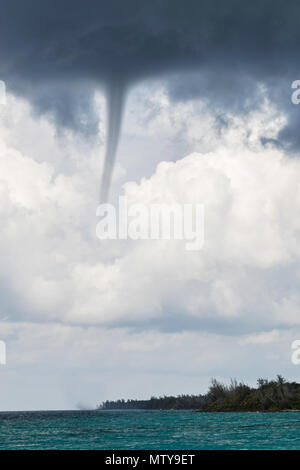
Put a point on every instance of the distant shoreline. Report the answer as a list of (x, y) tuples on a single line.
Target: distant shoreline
[(247, 411), (270, 396)]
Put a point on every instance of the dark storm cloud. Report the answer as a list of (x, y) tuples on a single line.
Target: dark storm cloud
[(100, 40), (52, 49)]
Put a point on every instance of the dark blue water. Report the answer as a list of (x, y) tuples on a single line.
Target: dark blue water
[(165, 430)]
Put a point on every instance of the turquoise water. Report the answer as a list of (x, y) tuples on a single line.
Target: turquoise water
[(165, 430)]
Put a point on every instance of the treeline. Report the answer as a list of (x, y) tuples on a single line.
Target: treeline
[(181, 402), (273, 395)]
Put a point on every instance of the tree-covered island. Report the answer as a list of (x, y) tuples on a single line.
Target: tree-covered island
[(273, 395)]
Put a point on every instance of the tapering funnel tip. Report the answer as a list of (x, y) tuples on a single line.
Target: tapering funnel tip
[(115, 104)]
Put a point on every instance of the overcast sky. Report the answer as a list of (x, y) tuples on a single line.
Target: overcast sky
[(208, 119)]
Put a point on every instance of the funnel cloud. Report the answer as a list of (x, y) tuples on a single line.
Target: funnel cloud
[(51, 51), (115, 105)]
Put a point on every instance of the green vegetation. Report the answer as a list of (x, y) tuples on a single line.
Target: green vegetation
[(273, 395)]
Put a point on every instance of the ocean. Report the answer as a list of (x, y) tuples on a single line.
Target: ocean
[(149, 430)]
